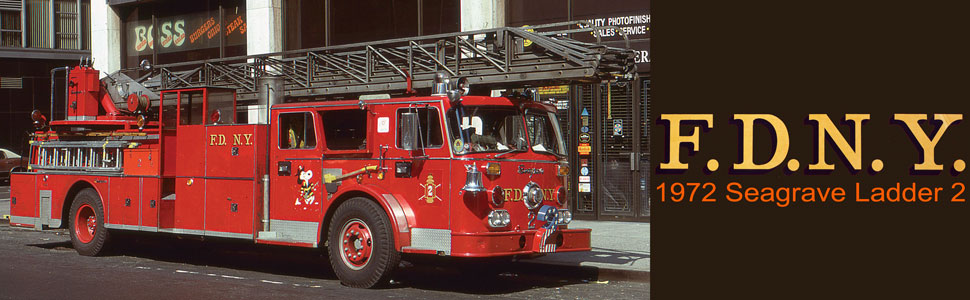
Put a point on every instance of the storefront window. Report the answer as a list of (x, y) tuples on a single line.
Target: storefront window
[(165, 34)]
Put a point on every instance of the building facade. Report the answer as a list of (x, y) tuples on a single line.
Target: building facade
[(35, 37), (605, 123)]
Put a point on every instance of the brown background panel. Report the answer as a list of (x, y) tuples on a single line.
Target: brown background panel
[(829, 57)]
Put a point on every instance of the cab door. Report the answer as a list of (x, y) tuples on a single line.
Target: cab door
[(296, 188)]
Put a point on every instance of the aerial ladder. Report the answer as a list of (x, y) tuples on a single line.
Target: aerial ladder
[(499, 58)]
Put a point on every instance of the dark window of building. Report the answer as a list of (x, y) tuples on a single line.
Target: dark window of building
[(66, 24), (345, 129), (305, 24), (308, 22), (372, 20), (440, 16), (10, 31), (428, 132), (39, 22), (535, 12), (296, 131)]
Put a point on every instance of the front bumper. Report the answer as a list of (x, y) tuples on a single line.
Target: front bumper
[(522, 242)]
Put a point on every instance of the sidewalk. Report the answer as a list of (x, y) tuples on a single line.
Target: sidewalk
[(621, 250)]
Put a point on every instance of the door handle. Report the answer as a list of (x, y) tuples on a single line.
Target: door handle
[(283, 168)]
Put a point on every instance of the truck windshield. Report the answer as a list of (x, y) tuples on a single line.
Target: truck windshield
[(544, 133), (487, 129)]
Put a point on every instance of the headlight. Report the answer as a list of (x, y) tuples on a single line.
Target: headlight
[(564, 217), (498, 195), (532, 195), (499, 218)]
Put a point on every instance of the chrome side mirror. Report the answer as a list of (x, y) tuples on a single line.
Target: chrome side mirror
[(408, 129)]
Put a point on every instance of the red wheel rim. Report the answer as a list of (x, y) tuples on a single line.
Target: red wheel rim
[(356, 244), (85, 223)]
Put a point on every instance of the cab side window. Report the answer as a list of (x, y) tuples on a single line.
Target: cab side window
[(345, 129), (191, 108), (296, 131), (429, 123)]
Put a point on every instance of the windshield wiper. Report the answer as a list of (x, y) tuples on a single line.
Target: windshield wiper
[(509, 151)]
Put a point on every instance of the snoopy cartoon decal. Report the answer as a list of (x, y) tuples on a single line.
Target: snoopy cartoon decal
[(306, 197)]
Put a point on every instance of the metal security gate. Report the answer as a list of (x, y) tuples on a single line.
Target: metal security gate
[(619, 165), (645, 170)]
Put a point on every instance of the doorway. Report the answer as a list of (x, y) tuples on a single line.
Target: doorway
[(613, 179)]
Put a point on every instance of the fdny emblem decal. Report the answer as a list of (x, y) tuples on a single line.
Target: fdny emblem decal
[(306, 197), (430, 190)]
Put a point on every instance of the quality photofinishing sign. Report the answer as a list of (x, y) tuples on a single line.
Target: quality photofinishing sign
[(861, 188), (185, 32), (635, 27)]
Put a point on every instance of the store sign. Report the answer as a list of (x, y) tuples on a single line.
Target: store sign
[(555, 90), (185, 32), (562, 104), (635, 26), (584, 149)]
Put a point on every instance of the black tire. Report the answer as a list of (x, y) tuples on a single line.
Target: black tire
[(87, 204), (362, 215)]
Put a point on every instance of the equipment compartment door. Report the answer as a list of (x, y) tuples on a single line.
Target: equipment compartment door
[(189, 203), (149, 202), (123, 201), (229, 207)]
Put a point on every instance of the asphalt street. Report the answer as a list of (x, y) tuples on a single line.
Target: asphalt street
[(43, 265)]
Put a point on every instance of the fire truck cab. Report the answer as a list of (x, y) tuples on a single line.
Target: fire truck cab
[(447, 174)]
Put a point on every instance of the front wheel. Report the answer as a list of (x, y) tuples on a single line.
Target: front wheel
[(361, 244), (87, 223)]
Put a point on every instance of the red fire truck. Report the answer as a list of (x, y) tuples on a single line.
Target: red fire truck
[(454, 172)]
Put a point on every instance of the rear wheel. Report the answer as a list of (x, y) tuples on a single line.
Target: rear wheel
[(361, 244), (87, 223)]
